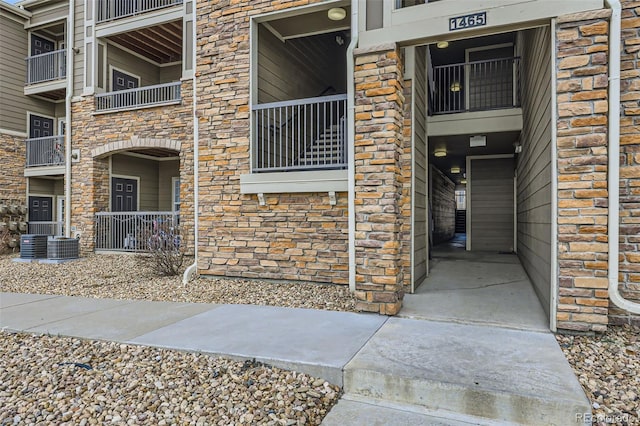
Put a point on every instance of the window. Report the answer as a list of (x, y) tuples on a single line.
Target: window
[(175, 194), (461, 200)]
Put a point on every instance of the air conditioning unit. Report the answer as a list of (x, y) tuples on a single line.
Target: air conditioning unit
[(59, 248), (33, 246)]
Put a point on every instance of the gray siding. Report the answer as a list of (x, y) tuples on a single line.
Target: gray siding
[(39, 186), (15, 104), (534, 164), (166, 171), (298, 68), (172, 73), (147, 171), (419, 168), (492, 203), (149, 74), (78, 58), (59, 12)]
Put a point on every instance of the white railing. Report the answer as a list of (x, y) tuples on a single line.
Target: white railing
[(115, 9), (135, 231), (53, 229), (139, 97), (300, 134), (48, 66), (475, 86), (47, 151)]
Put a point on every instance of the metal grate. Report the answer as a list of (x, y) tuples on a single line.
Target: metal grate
[(59, 248)]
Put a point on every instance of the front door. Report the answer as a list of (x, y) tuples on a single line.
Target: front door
[(40, 209), (123, 81), (40, 127), (124, 195), (41, 45)]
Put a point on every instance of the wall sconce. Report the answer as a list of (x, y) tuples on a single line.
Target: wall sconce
[(455, 86), (463, 181), (336, 14), (455, 170)]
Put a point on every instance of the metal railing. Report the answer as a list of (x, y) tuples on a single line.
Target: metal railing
[(53, 229), (135, 231), (108, 10), (48, 66), (139, 97), (47, 151), (301, 134), (475, 86)]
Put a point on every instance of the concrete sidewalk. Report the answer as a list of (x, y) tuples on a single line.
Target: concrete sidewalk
[(393, 370)]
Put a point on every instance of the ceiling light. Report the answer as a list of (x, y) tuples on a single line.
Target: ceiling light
[(463, 181), (455, 170), (442, 44), (455, 86), (440, 152), (336, 13)]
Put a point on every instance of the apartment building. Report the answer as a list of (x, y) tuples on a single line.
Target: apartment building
[(328, 141)]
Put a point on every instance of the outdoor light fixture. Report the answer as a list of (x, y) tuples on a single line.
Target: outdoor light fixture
[(336, 13), (463, 181), (455, 86), (440, 152), (455, 170), (442, 44)]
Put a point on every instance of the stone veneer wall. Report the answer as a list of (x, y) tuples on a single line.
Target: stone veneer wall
[(125, 130), (406, 164), (582, 106), (630, 164), (12, 161), (296, 236), (379, 179)]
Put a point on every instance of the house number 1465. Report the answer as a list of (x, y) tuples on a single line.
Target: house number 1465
[(468, 21)]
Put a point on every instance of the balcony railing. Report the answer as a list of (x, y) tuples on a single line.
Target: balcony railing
[(116, 9), (301, 134), (53, 229), (139, 97), (48, 66), (136, 231), (47, 151), (475, 86)]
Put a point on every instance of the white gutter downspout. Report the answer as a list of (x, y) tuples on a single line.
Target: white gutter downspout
[(193, 268), (614, 160), (67, 118), (351, 132)]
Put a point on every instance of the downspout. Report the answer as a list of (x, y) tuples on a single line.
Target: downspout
[(351, 132), (614, 160), (193, 268), (67, 118)]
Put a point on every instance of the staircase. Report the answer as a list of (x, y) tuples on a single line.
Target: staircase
[(328, 149), (461, 221)]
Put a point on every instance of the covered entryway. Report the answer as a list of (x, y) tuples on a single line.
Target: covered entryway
[(488, 185)]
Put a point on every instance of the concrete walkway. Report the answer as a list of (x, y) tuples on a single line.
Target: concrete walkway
[(394, 370)]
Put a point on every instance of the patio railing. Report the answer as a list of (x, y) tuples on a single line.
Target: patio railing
[(47, 151), (116, 9), (135, 231), (475, 86), (53, 229), (48, 66), (301, 134), (139, 97)]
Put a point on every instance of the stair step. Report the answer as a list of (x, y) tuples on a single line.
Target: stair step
[(488, 372)]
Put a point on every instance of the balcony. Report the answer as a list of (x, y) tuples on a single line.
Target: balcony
[(46, 74), (108, 10), (136, 231), (45, 152), (475, 86), (141, 97), (303, 134)]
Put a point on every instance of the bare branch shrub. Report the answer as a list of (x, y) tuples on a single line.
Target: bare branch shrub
[(166, 249)]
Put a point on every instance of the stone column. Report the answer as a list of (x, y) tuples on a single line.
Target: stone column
[(378, 178)]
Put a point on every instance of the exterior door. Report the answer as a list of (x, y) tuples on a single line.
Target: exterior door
[(40, 127), (40, 209), (124, 195), (41, 45), (123, 81)]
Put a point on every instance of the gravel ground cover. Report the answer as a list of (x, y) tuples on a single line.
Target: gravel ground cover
[(608, 367), (58, 380), (127, 277)]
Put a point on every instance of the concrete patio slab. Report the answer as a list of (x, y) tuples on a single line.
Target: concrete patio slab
[(311, 341), (15, 299), (49, 310), (490, 372), (124, 322)]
